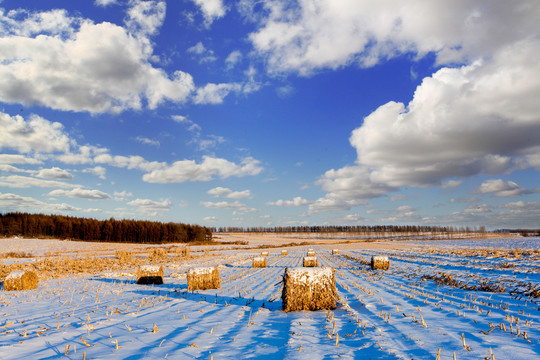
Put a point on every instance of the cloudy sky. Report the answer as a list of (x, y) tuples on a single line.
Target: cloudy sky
[(263, 113)]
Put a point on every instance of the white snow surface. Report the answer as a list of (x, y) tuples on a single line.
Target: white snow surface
[(394, 314)]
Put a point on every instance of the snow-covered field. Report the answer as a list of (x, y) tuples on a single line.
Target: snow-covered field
[(432, 299)]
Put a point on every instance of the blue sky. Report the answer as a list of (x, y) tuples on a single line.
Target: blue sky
[(267, 113)]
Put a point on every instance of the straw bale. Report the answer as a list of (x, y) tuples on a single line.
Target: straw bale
[(335, 251), (259, 262), (309, 289), (21, 280), (310, 261), (284, 252), (150, 274), (380, 263), (311, 252), (265, 253), (203, 278)]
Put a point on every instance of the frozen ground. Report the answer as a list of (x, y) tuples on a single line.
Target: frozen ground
[(403, 313)]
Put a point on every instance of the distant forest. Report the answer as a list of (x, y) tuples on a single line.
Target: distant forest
[(522, 232), (364, 229), (127, 231)]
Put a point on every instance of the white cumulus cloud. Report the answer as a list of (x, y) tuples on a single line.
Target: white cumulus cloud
[(211, 9), (228, 193), (325, 34), (18, 181), (54, 173), (151, 207), (296, 201), (81, 194), (99, 171), (16, 202), (210, 167), (83, 66), (145, 17), (18, 159), (26, 136), (499, 188), (461, 122), (215, 93)]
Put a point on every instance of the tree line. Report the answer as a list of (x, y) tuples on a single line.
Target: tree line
[(364, 229), (111, 230), (522, 232)]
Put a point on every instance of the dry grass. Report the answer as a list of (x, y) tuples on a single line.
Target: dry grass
[(309, 289), (444, 278), (56, 267), (203, 278), (123, 257), (533, 254), (158, 255), (21, 280), (150, 274), (16, 255)]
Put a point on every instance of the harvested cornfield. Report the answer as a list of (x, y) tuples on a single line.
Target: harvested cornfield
[(21, 280), (380, 263), (203, 278), (265, 253), (335, 251), (124, 257), (157, 254), (310, 261), (259, 262), (311, 252), (284, 252), (150, 274), (425, 308), (309, 289)]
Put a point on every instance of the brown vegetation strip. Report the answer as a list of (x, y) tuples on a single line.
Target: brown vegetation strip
[(444, 278)]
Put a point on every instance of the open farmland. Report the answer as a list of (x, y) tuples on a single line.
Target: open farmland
[(472, 299)]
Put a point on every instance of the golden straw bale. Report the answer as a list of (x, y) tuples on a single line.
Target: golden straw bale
[(335, 251), (380, 263), (284, 252), (203, 278), (309, 289), (150, 274), (311, 252), (310, 261), (21, 280), (265, 253), (259, 262)]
